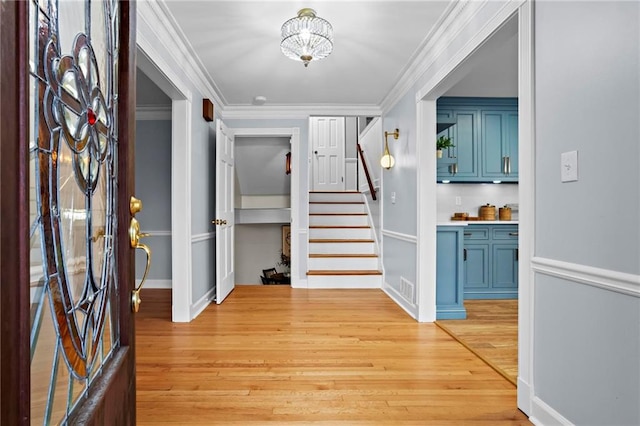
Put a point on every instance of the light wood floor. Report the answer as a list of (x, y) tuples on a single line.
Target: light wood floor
[(277, 355), (491, 332)]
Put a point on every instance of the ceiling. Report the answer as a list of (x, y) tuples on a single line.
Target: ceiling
[(238, 43)]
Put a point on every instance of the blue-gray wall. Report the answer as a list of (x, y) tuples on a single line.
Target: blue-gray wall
[(153, 187), (400, 255), (587, 90)]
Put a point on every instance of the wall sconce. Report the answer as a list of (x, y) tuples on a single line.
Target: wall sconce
[(387, 161)]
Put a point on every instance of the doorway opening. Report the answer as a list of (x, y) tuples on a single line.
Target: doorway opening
[(262, 200)]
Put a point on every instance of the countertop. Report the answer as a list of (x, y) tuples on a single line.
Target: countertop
[(477, 222)]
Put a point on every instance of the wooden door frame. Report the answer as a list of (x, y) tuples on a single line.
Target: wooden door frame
[(14, 217), (15, 361)]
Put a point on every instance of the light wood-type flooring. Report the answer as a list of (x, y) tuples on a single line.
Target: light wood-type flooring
[(281, 356), (491, 332)]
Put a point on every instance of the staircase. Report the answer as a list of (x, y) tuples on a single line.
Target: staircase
[(342, 250)]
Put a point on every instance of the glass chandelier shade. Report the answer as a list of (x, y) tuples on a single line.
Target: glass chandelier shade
[(306, 37)]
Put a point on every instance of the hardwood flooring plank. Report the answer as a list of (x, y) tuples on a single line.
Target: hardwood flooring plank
[(283, 356), (491, 332)]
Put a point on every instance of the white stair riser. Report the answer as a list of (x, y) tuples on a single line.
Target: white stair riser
[(337, 208), (332, 197), (344, 281), (348, 233), (356, 220), (342, 263), (340, 248)]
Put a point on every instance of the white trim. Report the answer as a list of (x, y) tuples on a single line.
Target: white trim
[(271, 112), (156, 233), (526, 213), (605, 279), (153, 113), (181, 259), (156, 17), (542, 414), (409, 308), (202, 303), (399, 236), (157, 284), (248, 132), (452, 21), (425, 133), (198, 238), (493, 24), (427, 211)]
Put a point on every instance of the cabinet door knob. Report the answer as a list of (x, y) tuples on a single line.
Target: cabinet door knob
[(464, 254)]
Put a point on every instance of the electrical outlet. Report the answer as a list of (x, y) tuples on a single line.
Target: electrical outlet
[(569, 166), (458, 201)]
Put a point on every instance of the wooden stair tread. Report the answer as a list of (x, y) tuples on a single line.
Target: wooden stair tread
[(339, 227), (347, 272), (324, 256), (334, 240), (337, 214)]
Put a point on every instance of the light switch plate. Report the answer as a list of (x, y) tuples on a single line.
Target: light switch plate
[(569, 166), (393, 197)]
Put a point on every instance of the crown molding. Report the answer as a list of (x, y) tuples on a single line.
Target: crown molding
[(297, 111), (153, 112), (451, 23), (167, 32)]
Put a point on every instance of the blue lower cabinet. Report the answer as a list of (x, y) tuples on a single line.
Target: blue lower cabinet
[(449, 273), (490, 258)]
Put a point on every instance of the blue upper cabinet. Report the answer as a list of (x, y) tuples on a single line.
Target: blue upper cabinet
[(485, 138)]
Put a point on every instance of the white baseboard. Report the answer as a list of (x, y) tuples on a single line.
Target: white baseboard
[(542, 414), (410, 309), (156, 283), (201, 305)]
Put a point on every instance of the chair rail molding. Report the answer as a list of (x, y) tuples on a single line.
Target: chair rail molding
[(619, 282)]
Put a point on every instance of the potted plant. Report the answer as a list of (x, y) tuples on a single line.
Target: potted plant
[(441, 143)]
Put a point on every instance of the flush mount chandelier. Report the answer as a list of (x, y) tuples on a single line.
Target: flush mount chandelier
[(306, 37)]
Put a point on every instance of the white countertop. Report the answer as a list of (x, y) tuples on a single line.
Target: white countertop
[(477, 222)]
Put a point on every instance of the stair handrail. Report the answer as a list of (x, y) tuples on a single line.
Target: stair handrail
[(366, 173)]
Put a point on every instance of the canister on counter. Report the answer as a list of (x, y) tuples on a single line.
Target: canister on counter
[(504, 213), (487, 212)]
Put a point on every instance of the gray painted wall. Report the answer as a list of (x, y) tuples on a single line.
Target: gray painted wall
[(153, 187), (587, 90), (260, 166), (258, 247)]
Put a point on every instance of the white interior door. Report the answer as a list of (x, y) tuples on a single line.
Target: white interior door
[(327, 147), (225, 226)]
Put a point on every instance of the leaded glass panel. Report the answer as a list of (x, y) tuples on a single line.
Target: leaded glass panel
[(72, 199)]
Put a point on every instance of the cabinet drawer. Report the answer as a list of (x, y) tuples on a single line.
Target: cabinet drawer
[(476, 233), (502, 232)]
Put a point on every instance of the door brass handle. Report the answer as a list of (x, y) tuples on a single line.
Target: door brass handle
[(134, 240)]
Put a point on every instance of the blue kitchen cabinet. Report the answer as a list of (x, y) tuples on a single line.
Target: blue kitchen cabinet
[(485, 138), (491, 262), (448, 154), (449, 273), (500, 145), (461, 161)]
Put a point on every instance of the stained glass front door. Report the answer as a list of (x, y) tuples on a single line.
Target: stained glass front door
[(77, 182)]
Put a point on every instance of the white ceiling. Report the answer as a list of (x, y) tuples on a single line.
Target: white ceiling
[(238, 43)]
